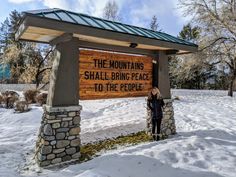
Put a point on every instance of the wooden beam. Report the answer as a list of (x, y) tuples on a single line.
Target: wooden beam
[(21, 29), (63, 38), (171, 52), (92, 45)]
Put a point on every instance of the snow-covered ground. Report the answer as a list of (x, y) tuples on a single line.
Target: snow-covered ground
[(205, 145)]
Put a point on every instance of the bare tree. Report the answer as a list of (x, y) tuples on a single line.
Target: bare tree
[(43, 66), (217, 20), (111, 11), (154, 24)]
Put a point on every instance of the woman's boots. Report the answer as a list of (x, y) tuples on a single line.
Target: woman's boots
[(156, 137)]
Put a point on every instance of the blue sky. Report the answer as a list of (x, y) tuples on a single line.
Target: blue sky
[(135, 12)]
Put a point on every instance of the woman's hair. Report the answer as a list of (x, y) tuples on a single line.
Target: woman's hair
[(158, 93)]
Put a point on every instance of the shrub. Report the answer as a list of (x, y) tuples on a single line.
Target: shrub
[(41, 98), (30, 95), (10, 93), (9, 101), (9, 98), (21, 106)]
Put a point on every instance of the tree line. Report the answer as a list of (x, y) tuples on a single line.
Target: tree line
[(29, 62), (212, 27)]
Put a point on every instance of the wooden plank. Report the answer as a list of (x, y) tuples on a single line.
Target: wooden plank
[(113, 75)]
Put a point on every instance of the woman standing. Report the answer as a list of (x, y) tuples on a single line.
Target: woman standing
[(155, 103)]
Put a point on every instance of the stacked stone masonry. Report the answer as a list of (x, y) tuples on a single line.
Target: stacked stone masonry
[(59, 136), (168, 122)]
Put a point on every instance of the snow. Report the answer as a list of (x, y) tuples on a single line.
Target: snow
[(205, 145), (110, 118)]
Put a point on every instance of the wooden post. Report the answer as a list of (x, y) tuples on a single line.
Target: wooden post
[(155, 71), (163, 75), (64, 76)]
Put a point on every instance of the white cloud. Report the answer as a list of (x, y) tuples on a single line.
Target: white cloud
[(19, 1), (91, 7), (161, 8), (180, 13), (136, 12), (57, 4)]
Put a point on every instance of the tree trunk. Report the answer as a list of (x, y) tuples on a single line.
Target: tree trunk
[(231, 84), (37, 80)]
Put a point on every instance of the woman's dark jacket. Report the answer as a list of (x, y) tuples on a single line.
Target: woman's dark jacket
[(156, 104)]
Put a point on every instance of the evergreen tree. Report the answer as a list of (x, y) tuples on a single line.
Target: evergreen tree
[(189, 33), (4, 35), (28, 62), (191, 71)]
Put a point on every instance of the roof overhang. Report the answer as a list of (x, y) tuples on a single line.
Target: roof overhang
[(44, 30)]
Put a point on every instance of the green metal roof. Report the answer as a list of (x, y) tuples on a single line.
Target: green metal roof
[(83, 19)]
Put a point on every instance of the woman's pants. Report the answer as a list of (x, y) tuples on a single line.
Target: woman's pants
[(156, 124)]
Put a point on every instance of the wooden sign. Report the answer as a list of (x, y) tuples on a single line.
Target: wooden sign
[(112, 75)]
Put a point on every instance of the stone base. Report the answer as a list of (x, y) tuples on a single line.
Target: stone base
[(59, 135), (168, 121)]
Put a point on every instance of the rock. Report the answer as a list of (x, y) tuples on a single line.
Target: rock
[(62, 130), (46, 143), (70, 123), (61, 154), (76, 120), (64, 124), (41, 157), (60, 136), (47, 130), (56, 160), (168, 132), (56, 151), (51, 156), (49, 138), (45, 163), (70, 151), (62, 115), (53, 142), (72, 114), (75, 142), (53, 121), (67, 119), (50, 117), (71, 137), (62, 143), (74, 131), (66, 158), (56, 125), (46, 149), (76, 155)]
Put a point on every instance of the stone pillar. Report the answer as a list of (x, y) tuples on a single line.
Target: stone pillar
[(59, 134), (168, 121)]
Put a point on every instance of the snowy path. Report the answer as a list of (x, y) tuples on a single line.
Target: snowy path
[(205, 145), (103, 119)]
